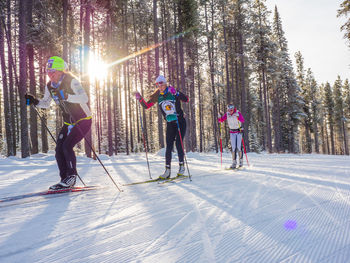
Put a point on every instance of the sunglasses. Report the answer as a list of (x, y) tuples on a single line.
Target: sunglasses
[(50, 70), (159, 83)]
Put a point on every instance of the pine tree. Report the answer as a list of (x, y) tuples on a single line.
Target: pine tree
[(344, 11), (286, 95), (314, 107), (346, 89), (328, 101), (306, 102), (7, 112), (339, 118), (262, 48), (23, 78)]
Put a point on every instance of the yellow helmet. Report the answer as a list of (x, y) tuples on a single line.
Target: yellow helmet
[(55, 63)]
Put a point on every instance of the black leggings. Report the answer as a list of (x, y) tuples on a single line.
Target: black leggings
[(65, 155), (172, 134)]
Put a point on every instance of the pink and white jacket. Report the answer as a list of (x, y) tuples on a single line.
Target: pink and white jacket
[(234, 120)]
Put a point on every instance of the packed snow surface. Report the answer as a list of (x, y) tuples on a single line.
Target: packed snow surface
[(283, 208)]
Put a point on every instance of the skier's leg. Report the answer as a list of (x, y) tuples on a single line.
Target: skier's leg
[(239, 149), (61, 161), (180, 150), (171, 129), (233, 138), (76, 135)]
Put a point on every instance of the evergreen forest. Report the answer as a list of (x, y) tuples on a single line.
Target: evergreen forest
[(216, 52)]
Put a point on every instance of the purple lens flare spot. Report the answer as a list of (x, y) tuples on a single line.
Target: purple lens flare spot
[(290, 225)]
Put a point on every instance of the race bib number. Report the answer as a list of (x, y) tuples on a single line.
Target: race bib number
[(168, 108)]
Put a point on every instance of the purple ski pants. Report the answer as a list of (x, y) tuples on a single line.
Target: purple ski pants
[(65, 155)]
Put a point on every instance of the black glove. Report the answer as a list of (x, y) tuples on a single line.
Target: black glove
[(30, 99)]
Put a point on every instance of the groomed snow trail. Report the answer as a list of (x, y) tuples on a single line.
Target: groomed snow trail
[(284, 208)]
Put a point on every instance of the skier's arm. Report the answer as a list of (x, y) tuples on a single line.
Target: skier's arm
[(79, 95), (148, 104), (182, 96), (223, 118), (240, 117), (46, 100)]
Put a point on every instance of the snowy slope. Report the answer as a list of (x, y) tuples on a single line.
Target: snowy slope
[(284, 208)]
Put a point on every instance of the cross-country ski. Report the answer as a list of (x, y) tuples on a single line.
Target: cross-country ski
[(49, 192)]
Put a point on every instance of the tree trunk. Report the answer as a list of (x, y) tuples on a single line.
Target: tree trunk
[(276, 120), (116, 113), (327, 137), (32, 84), (23, 78), (156, 60), (44, 141), (346, 148), (64, 30), (176, 48), (315, 128), (323, 138), (149, 80), (211, 66), (242, 74), (266, 111), (332, 138), (109, 101), (192, 136), (145, 131), (11, 69), (200, 102), (228, 86), (88, 136), (7, 106), (127, 91)]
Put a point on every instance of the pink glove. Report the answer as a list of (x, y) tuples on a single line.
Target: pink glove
[(137, 95), (172, 90)]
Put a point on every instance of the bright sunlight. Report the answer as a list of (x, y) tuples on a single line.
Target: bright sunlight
[(97, 68)]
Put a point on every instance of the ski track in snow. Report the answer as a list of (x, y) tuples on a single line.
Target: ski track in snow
[(284, 208)]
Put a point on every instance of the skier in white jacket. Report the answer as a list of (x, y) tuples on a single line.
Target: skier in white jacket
[(234, 119), (72, 99)]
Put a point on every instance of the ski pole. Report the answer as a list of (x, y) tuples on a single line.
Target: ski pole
[(53, 138), (220, 143), (245, 152), (182, 145), (43, 122), (144, 142), (88, 143)]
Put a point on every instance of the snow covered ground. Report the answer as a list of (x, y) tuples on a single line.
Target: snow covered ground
[(284, 208)]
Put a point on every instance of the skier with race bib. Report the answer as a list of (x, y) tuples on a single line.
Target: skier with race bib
[(169, 101), (70, 96), (234, 119)]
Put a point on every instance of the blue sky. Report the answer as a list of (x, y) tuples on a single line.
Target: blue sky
[(312, 27)]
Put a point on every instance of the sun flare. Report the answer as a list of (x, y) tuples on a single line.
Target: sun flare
[(97, 68)]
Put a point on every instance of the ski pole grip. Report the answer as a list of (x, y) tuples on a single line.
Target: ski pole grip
[(62, 94)]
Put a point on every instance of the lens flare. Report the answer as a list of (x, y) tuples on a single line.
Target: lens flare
[(147, 49), (290, 225)]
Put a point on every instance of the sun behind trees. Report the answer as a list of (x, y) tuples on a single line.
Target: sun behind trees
[(216, 52)]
